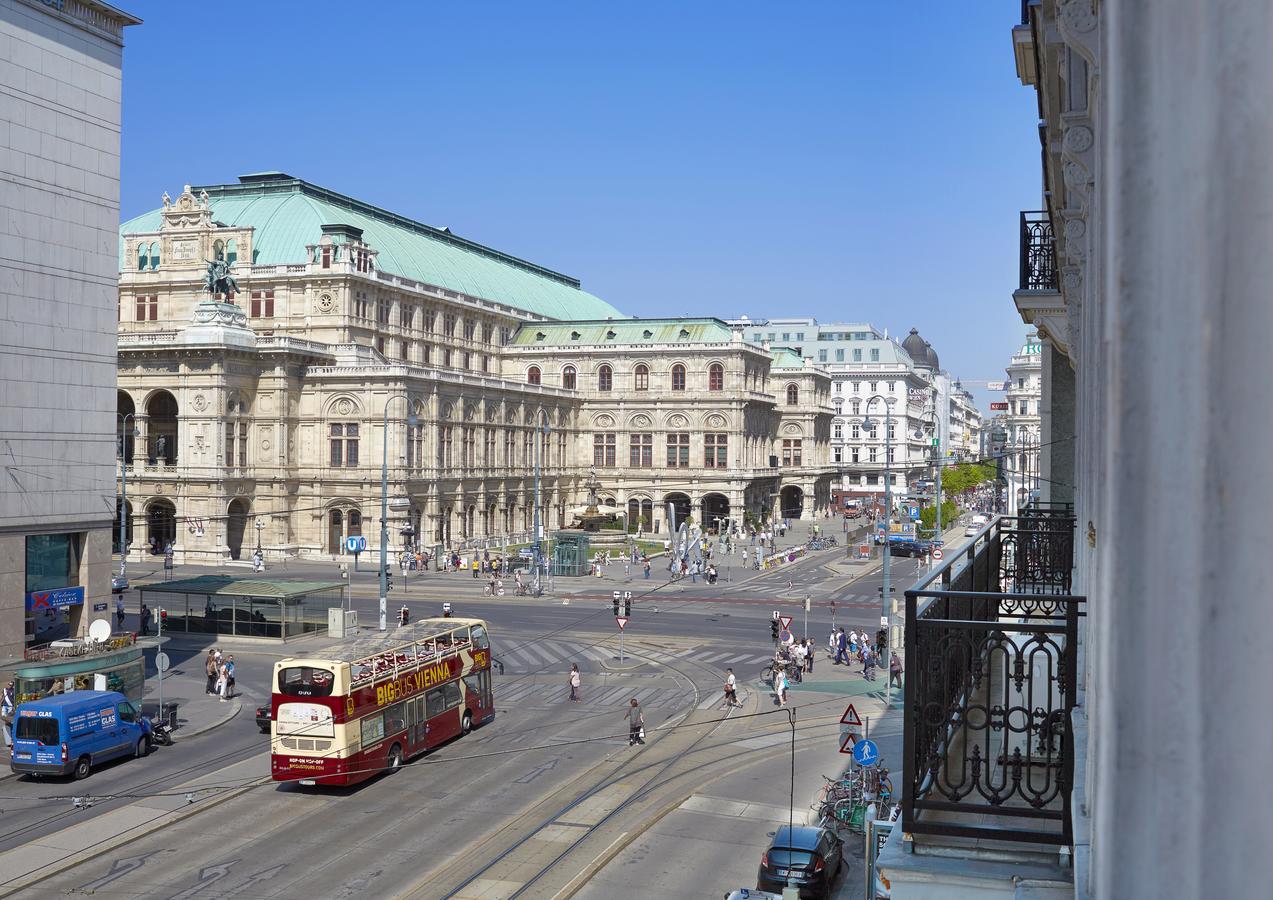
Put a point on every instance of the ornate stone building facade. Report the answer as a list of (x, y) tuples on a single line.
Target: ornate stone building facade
[(358, 335)]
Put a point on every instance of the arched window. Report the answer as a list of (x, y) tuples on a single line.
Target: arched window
[(642, 377), (154, 255), (143, 257), (678, 377), (231, 251), (568, 378), (218, 250), (716, 377), (605, 378), (793, 395), (532, 376)]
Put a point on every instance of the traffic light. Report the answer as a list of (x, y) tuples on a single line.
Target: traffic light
[(388, 578), (627, 606), (616, 603), (773, 629)]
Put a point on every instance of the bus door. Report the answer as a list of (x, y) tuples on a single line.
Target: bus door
[(443, 709), (419, 725), (480, 701)]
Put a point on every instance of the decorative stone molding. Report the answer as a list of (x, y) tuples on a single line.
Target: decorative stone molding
[(215, 312)]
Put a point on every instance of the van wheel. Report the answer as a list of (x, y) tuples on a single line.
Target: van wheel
[(143, 747), (395, 759), (466, 724), (83, 766)]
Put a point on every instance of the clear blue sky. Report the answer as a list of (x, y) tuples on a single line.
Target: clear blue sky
[(848, 160)]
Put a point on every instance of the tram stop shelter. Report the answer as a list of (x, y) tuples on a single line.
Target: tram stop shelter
[(243, 607)]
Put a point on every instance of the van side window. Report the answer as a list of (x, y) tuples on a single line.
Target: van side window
[(127, 713)]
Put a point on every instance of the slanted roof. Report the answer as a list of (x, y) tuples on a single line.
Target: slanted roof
[(786, 358), (228, 586), (622, 331), (289, 213)]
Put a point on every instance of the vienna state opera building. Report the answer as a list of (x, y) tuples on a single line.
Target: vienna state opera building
[(262, 416)]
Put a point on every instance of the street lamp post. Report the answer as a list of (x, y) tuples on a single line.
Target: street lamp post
[(124, 434), (384, 506), (541, 426), (259, 526), (886, 602)]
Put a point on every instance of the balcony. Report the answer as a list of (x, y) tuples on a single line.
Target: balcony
[(1038, 254), (991, 661)]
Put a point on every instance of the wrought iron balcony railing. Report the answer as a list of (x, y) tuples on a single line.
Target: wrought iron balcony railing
[(1038, 252), (990, 667)]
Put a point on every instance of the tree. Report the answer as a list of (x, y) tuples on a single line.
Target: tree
[(964, 477), (928, 515)]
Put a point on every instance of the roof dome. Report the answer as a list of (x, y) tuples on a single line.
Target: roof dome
[(931, 357), (916, 348)]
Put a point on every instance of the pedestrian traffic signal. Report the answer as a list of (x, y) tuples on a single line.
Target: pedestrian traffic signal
[(627, 606), (388, 573), (773, 629), (616, 606)]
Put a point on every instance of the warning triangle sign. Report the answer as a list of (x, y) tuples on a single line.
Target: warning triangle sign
[(622, 621), (850, 717), (785, 622), (846, 744)]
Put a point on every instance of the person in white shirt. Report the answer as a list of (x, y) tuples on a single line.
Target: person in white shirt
[(731, 688)]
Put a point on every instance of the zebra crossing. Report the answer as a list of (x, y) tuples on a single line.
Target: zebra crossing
[(537, 695), (557, 655), (723, 659)]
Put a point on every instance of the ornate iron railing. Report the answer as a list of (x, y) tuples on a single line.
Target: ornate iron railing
[(1038, 254), (990, 683)]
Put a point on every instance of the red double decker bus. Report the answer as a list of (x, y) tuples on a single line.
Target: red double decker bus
[(376, 702)]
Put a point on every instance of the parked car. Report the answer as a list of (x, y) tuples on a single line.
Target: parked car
[(71, 733), (806, 857), (972, 530), (263, 718), (910, 548), (119, 584)]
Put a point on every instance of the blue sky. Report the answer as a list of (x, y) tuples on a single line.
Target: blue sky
[(847, 160)]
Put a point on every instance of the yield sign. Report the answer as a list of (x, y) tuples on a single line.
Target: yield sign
[(622, 621), (850, 717), (785, 622)]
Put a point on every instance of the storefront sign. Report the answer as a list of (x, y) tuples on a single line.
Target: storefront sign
[(55, 598), (999, 406)]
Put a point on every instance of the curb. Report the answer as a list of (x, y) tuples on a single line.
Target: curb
[(162, 820), (237, 702)]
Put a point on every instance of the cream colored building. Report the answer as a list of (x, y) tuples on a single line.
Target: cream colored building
[(263, 422)]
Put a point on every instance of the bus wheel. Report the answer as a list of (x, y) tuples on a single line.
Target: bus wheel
[(395, 758), (83, 766), (466, 724)]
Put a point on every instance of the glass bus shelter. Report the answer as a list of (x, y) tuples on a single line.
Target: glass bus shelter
[(244, 607)]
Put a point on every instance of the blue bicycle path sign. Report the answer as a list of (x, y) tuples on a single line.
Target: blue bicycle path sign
[(865, 753)]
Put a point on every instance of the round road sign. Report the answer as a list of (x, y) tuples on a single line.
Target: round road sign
[(937, 554), (162, 662)]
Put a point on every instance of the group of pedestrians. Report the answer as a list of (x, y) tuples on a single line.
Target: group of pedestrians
[(220, 671), (854, 645)]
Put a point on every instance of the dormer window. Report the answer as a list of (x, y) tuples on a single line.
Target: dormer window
[(574, 335), (684, 334), (610, 335), (647, 334), (540, 336), (326, 257)]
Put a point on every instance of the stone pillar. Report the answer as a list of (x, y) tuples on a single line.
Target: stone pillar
[(1056, 437)]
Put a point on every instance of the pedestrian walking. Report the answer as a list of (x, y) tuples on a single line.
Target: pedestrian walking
[(647, 567), (229, 676), (7, 708), (853, 642), (868, 663), (731, 689), (842, 648), (145, 619), (210, 669), (781, 686), (808, 655), (636, 723), (575, 681), (895, 671), (119, 612)]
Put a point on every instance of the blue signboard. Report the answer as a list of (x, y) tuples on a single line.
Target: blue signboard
[(865, 753), (55, 598), (356, 543)]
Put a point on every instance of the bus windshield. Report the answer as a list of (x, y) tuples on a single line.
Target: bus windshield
[(305, 681)]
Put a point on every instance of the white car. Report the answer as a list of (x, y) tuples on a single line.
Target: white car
[(972, 531)]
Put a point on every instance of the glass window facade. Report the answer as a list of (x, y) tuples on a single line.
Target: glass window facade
[(267, 617), (53, 561)]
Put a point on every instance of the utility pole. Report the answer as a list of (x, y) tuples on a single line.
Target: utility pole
[(886, 599), (384, 507), (541, 426)]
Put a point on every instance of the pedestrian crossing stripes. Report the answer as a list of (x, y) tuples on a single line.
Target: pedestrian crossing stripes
[(557, 656), (532, 696)]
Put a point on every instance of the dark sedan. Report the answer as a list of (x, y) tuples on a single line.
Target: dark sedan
[(910, 548), (263, 719), (807, 857)]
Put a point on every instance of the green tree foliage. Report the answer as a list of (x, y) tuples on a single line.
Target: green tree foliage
[(965, 476), (928, 515)]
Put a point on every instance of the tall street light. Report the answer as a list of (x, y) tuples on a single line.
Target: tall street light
[(886, 602), (542, 427), (412, 421), (125, 432)]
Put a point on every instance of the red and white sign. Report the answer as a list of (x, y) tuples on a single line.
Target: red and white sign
[(850, 717), (937, 554), (621, 621), (847, 742), (999, 406), (785, 622)]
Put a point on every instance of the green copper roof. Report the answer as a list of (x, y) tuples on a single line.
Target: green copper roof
[(288, 213), (228, 586), (786, 358), (622, 331)]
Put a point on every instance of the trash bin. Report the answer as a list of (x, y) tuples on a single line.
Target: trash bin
[(168, 715)]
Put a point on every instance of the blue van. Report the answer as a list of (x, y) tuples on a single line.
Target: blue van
[(70, 733)]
